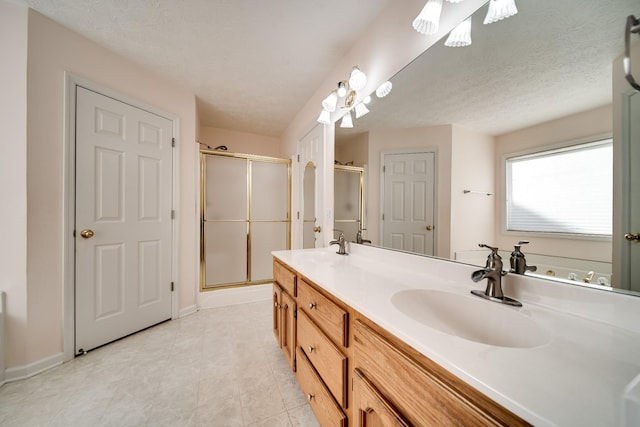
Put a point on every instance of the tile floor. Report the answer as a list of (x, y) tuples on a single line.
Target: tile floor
[(218, 367)]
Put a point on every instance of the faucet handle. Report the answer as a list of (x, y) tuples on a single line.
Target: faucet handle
[(483, 245)]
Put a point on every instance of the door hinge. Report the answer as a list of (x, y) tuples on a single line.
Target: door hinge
[(384, 169), (173, 142), (295, 313), (172, 286), (298, 214), (383, 217), (298, 158), (173, 214)]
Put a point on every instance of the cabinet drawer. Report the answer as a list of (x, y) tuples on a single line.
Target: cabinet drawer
[(324, 407), (325, 357), (285, 278), (333, 319), (424, 396), (371, 407)]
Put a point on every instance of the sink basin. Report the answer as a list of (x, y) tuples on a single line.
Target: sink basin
[(470, 318)]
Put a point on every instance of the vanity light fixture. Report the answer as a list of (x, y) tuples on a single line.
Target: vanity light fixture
[(499, 10), (361, 110), (342, 89), (428, 21), (347, 121), (460, 36), (325, 117), (330, 103), (384, 89), (346, 94), (357, 79), (455, 1)]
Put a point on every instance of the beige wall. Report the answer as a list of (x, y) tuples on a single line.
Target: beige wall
[(597, 121), (52, 50), (353, 149), (472, 168), (13, 174), (435, 138), (241, 142)]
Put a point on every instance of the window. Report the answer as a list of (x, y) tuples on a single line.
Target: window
[(565, 190)]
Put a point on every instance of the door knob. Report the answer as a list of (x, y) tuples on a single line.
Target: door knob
[(632, 237), (429, 227), (86, 233), (316, 229)]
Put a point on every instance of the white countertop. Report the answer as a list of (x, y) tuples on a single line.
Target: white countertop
[(579, 377)]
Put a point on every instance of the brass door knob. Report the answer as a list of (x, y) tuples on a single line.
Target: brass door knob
[(429, 227), (632, 237), (317, 229), (86, 233)]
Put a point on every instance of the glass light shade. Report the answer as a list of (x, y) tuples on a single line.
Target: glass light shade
[(324, 118), (330, 103), (499, 10), (347, 121), (358, 79), (361, 110), (384, 89), (460, 36), (428, 21), (342, 89), (367, 99)]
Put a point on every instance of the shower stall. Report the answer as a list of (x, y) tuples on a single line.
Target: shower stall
[(245, 214)]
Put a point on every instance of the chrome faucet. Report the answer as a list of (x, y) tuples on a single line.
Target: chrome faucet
[(493, 273), (359, 238), (341, 242)]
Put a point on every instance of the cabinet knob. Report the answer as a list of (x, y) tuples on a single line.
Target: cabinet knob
[(310, 396), (312, 306), (275, 304), (311, 349)]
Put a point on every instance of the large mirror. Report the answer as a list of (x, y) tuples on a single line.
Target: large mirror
[(542, 78)]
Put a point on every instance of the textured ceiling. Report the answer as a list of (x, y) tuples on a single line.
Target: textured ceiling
[(251, 63), (550, 60)]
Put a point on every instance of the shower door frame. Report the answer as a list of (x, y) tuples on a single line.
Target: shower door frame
[(203, 192)]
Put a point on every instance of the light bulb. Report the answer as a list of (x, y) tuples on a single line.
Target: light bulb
[(358, 79), (499, 10), (361, 110), (330, 102), (324, 118), (428, 21), (342, 89), (347, 121), (460, 36), (384, 89), (367, 99), (454, 1)]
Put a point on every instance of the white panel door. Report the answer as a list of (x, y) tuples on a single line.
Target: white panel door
[(123, 219), (408, 205)]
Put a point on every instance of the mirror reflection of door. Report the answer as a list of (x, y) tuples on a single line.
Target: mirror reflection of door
[(309, 207), (348, 200), (631, 243), (409, 202)]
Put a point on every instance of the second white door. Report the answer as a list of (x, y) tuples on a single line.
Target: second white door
[(123, 229), (408, 202)]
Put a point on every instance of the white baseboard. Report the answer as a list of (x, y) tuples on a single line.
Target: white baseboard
[(188, 310), (27, 371), (232, 296)]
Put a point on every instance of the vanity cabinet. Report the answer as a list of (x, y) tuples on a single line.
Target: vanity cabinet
[(410, 389), (353, 371), (284, 311)]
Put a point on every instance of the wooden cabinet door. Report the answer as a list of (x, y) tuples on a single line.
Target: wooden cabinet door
[(288, 328), (277, 298), (371, 407)]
